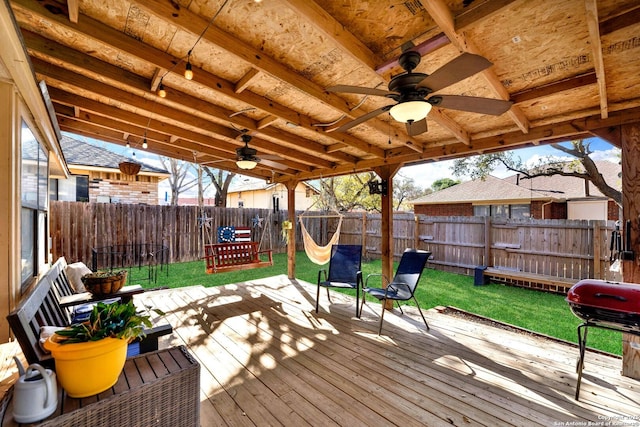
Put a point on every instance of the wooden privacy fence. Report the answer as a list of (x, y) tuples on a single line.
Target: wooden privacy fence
[(564, 249), (78, 227)]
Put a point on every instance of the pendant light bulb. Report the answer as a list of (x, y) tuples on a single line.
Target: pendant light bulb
[(128, 145), (144, 143), (188, 72), (161, 92)]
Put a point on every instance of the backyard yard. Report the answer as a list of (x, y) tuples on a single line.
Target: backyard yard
[(531, 310)]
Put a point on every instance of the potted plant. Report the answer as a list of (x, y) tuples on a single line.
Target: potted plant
[(104, 282), (89, 356)]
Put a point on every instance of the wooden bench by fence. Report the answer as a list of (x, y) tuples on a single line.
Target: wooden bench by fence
[(41, 307), (532, 280), (221, 257)]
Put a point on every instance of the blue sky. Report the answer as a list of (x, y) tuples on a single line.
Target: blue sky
[(423, 175)]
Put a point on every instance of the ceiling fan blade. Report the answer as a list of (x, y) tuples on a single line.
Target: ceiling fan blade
[(465, 65), (416, 128), (471, 104), (362, 118), (360, 90), (270, 157), (273, 164)]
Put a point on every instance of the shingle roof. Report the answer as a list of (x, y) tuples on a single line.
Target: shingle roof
[(512, 188), (83, 154)]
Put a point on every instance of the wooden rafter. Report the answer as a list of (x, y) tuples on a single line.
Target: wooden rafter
[(596, 50), (441, 14)]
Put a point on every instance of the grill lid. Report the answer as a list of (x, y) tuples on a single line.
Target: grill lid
[(620, 297)]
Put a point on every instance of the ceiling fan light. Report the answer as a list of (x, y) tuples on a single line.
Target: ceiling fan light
[(246, 164), (410, 111)]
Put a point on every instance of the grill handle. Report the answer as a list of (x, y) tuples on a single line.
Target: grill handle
[(617, 297)]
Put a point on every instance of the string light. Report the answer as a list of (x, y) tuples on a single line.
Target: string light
[(128, 145), (188, 71), (144, 143), (161, 92)]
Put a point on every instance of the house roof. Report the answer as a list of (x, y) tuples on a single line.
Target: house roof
[(568, 66), (513, 189), (78, 153)]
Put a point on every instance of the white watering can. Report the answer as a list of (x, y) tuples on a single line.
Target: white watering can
[(35, 395)]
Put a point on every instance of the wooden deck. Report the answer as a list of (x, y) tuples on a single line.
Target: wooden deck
[(268, 359)]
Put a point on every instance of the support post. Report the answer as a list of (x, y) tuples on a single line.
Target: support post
[(386, 173), (631, 212), (291, 234)]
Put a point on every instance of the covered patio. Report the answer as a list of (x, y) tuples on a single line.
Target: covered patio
[(268, 359)]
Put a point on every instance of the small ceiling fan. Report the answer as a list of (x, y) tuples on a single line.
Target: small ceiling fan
[(247, 157), (413, 92)]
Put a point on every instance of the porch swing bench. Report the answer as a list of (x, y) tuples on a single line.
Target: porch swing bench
[(234, 256)]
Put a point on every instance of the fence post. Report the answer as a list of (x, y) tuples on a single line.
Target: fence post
[(597, 250), (416, 233), (364, 234), (487, 241)]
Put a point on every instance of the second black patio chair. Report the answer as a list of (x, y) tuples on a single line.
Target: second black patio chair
[(403, 285), (344, 272)]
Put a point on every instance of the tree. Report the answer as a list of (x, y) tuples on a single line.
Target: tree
[(221, 181), (351, 192), (180, 179), (441, 184), (405, 189), (582, 167), (348, 192)]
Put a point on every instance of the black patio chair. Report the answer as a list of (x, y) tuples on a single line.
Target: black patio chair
[(403, 285), (344, 271)]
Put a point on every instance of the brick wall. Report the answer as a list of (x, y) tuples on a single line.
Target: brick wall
[(123, 191), (613, 211), (453, 209)]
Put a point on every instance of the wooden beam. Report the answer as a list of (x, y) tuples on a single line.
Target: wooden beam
[(291, 233), (631, 212), (611, 134), (424, 48), (505, 141), (73, 6), (263, 123), (618, 22), (386, 173), (116, 118), (442, 16), (596, 50), (446, 122), (333, 30), (245, 81), (479, 11), (585, 79), (191, 22), (88, 27)]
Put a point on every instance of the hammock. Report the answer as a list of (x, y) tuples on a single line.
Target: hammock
[(318, 254)]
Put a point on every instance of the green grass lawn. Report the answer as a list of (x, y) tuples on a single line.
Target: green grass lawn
[(537, 311)]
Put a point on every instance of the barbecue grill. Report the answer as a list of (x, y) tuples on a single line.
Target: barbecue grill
[(602, 304)]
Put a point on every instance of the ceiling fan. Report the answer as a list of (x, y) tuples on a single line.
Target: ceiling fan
[(413, 92), (247, 158)]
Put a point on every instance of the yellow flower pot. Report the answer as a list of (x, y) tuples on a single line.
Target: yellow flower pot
[(88, 368)]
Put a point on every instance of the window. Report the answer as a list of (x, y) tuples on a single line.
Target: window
[(520, 211), (35, 203), (500, 211), (503, 211), (483, 210), (82, 188)]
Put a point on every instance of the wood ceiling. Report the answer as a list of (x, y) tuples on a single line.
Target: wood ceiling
[(571, 67)]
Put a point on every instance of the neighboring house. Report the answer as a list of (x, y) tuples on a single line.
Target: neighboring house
[(258, 194), (553, 197), (96, 177)]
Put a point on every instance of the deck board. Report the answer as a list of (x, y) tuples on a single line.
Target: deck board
[(268, 359)]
